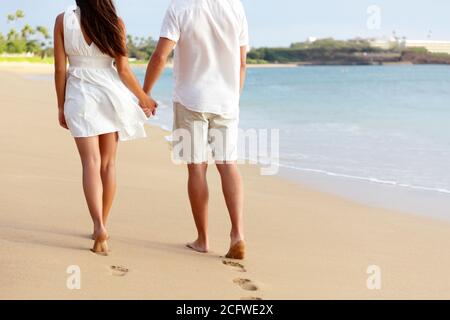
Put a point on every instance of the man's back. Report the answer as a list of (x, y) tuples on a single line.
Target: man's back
[(209, 36)]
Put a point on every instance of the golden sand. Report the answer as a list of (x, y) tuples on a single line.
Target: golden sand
[(301, 244)]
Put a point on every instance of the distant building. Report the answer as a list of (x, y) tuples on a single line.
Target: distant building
[(311, 39), (432, 46)]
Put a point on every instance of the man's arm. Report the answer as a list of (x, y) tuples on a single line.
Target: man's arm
[(128, 78), (157, 63), (243, 67)]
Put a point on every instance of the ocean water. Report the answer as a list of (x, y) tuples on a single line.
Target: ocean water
[(386, 125)]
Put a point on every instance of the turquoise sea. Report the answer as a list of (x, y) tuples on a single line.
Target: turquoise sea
[(386, 125)]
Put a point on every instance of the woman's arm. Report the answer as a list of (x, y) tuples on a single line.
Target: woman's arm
[(60, 68), (129, 79)]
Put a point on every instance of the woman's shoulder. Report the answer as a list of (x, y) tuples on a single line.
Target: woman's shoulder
[(60, 18), (59, 21)]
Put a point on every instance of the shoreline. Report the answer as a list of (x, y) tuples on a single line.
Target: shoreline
[(408, 201), (330, 182), (46, 67), (327, 242)]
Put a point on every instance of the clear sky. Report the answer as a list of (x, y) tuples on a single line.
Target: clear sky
[(276, 22)]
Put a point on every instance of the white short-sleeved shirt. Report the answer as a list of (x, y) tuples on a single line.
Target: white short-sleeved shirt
[(209, 36)]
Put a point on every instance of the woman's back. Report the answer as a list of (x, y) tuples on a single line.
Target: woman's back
[(75, 42), (96, 101)]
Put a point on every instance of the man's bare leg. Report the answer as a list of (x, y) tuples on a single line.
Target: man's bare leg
[(198, 196), (233, 191)]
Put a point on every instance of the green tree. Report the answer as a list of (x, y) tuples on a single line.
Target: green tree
[(19, 14), (35, 40), (27, 30), (15, 43), (45, 43), (140, 48), (2, 43), (11, 18), (43, 31)]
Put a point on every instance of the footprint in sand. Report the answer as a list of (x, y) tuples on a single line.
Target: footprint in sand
[(118, 271), (246, 284), (251, 298), (235, 265)]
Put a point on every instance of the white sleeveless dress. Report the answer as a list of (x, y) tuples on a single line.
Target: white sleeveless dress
[(97, 102)]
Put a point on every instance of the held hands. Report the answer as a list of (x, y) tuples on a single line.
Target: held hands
[(62, 119), (148, 105)]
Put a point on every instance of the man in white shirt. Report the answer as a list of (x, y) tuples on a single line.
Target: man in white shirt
[(210, 38)]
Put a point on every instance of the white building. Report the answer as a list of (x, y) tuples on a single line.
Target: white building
[(432, 46)]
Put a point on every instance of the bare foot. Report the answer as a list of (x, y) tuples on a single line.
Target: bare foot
[(100, 244), (237, 251), (197, 246), (93, 236)]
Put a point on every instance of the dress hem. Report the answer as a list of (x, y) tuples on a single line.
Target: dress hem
[(108, 132)]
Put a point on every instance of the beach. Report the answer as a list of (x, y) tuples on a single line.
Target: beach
[(302, 243)]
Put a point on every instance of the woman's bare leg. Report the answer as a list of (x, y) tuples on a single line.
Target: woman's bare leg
[(89, 151), (108, 150)]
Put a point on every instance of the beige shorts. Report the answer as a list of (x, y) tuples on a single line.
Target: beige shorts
[(197, 135)]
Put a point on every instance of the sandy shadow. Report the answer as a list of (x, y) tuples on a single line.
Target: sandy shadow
[(176, 248), (27, 234)]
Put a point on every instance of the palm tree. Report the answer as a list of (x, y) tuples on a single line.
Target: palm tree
[(15, 42), (2, 43), (19, 14), (11, 18), (45, 44), (12, 35), (29, 39), (43, 31), (27, 30)]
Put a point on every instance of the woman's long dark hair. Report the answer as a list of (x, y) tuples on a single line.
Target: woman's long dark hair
[(102, 25)]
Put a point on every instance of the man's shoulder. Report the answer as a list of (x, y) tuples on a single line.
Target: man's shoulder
[(235, 2), (238, 2), (180, 5), (237, 6)]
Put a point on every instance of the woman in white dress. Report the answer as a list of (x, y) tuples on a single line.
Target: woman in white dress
[(100, 104)]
